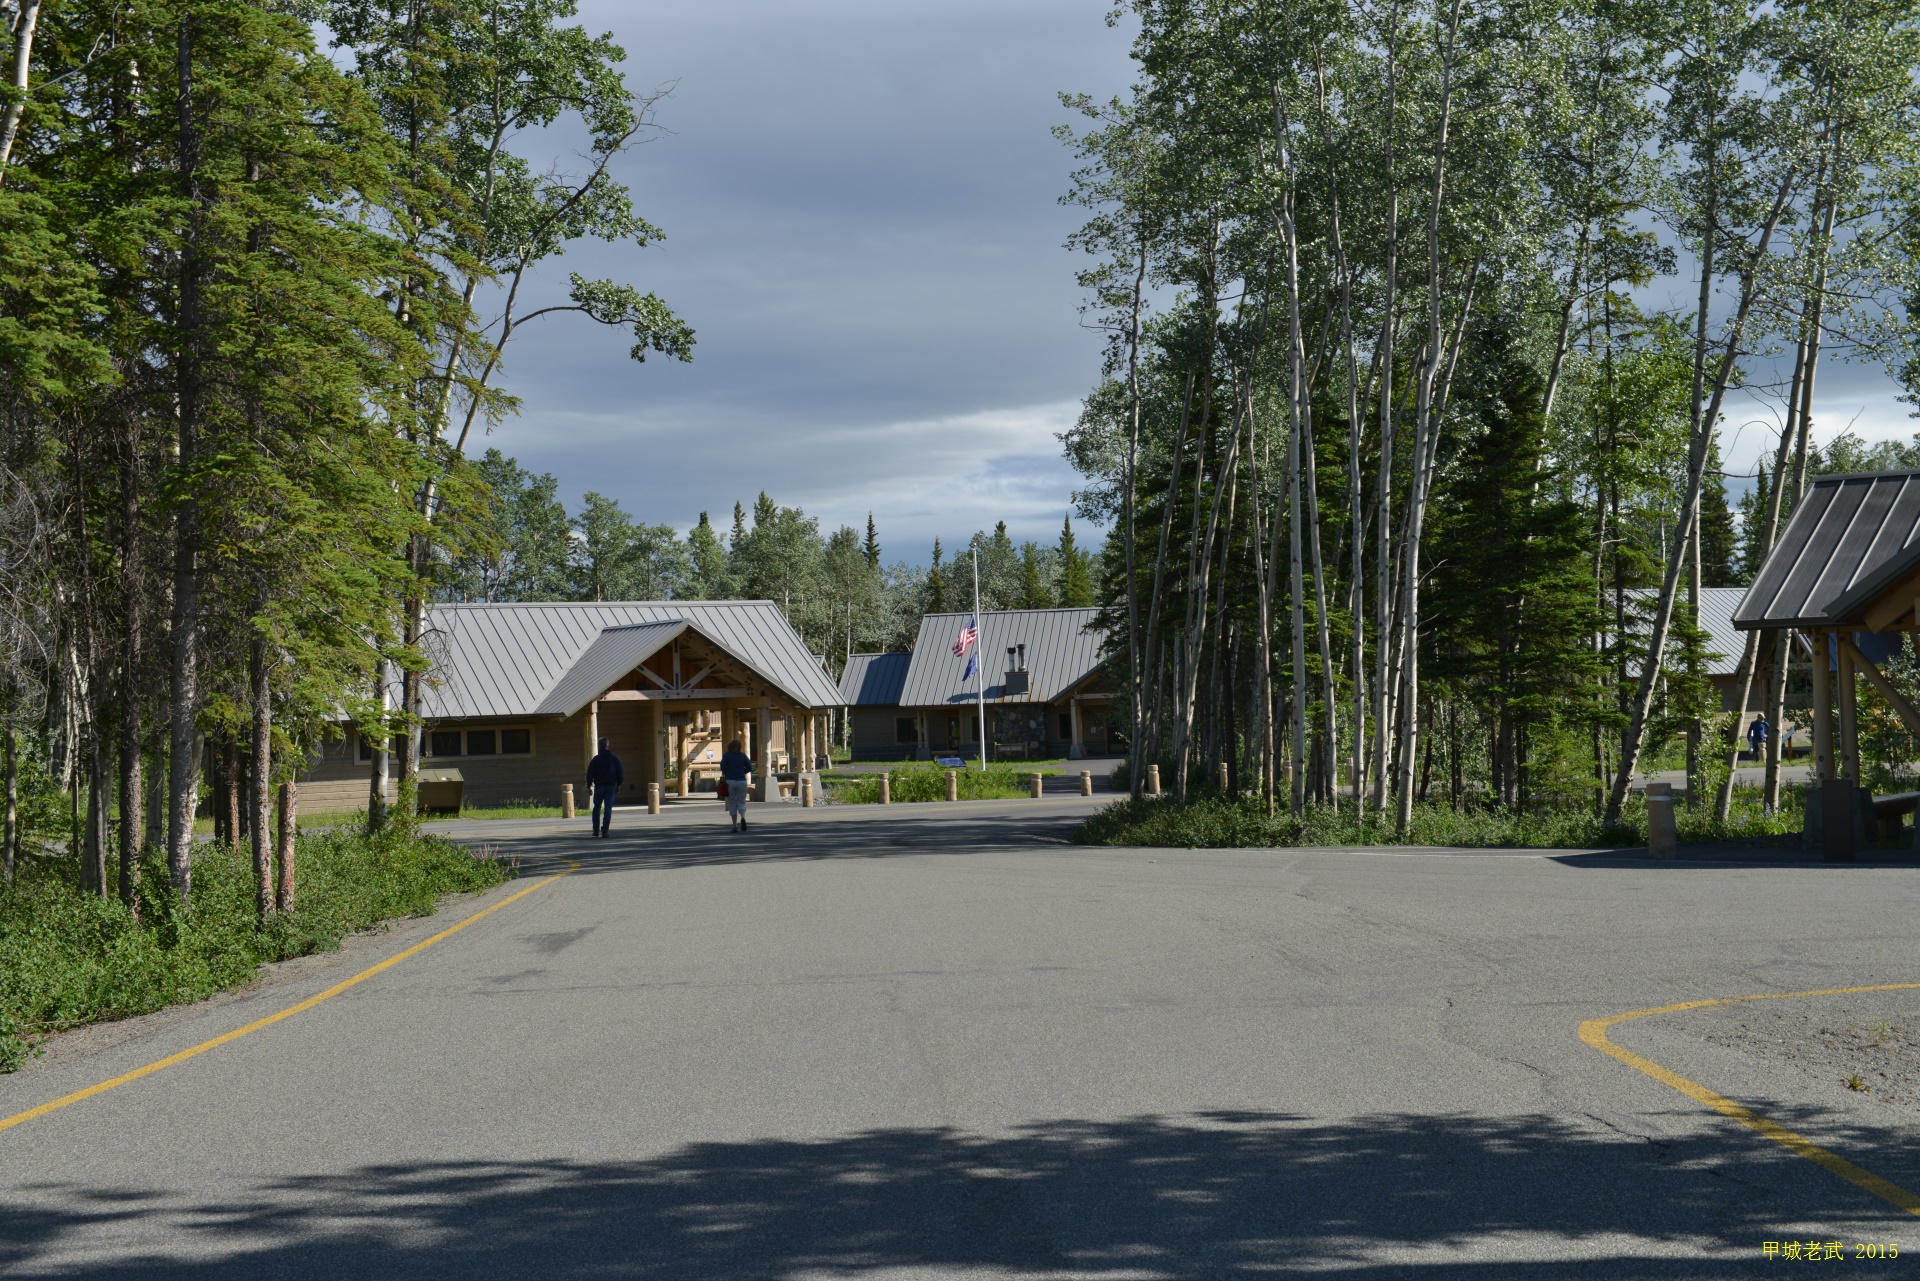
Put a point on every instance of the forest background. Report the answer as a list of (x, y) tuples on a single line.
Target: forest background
[(1408, 498)]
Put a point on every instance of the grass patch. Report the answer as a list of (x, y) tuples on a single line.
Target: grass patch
[(1215, 822), (512, 809), (68, 959), (911, 783)]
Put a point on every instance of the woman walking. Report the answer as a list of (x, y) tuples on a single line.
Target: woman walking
[(736, 769)]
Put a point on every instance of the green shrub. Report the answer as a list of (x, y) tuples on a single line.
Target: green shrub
[(929, 783), (68, 958), (1211, 821)]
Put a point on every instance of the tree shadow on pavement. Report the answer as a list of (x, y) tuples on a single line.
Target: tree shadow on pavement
[(1183, 1198), (688, 845)]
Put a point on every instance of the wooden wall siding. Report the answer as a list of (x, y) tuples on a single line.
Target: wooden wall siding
[(873, 737)]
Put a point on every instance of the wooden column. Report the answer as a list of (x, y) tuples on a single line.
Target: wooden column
[(680, 737), (593, 729), (1849, 718), (764, 787), (656, 746), (1078, 747), (1822, 708)]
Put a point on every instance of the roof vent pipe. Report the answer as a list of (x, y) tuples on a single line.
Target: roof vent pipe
[(1023, 657)]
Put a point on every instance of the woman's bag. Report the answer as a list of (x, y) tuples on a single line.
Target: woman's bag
[(721, 789)]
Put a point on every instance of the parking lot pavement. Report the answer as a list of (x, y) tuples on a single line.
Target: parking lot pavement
[(949, 1043)]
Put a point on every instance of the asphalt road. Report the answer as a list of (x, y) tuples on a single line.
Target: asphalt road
[(939, 1042)]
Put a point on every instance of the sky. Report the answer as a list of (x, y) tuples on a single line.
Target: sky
[(861, 207), (862, 217)]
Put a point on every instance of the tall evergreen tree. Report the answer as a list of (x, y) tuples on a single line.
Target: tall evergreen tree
[(1033, 583), (1076, 571), (1719, 540), (872, 546), (936, 584)]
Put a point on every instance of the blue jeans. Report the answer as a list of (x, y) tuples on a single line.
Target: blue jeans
[(602, 804)]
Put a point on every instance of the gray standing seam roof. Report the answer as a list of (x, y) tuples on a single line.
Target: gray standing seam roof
[(1850, 538), (506, 659), (1061, 652), (874, 680), (1725, 644)]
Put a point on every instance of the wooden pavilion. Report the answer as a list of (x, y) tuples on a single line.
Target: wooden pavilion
[(1846, 574)]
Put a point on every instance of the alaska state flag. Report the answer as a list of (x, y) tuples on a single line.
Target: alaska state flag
[(973, 665)]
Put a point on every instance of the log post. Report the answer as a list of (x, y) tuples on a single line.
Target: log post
[(1086, 782), (566, 800), (953, 785), (886, 789), (1822, 709)]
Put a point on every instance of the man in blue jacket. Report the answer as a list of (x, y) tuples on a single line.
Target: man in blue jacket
[(604, 777)]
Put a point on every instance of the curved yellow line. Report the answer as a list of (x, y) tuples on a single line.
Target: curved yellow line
[(1594, 1033), (31, 1114)]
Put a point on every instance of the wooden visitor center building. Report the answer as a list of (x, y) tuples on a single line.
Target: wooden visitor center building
[(520, 693), (1043, 672)]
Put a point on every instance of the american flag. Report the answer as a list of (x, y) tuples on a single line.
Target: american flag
[(964, 642)]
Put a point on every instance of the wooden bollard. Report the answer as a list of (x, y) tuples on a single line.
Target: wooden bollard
[(806, 793), (886, 789), (1153, 780), (1036, 786), (953, 785), (1224, 784), (566, 800), (653, 798), (1086, 782)]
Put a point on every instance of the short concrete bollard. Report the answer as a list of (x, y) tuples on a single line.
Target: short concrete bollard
[(953, 785), (806, 793), (1036, 787), (1663, 836), (886, 789), (566, 800), (1086, 782), (1153, 780), (653, 798)]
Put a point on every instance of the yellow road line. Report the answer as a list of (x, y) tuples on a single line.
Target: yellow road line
[(31, 1114), (1594, 1033)]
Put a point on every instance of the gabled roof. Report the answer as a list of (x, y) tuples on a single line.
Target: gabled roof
[(874, 680), (1725, 644), (505, 659), (613, 653), (1061, 653), (1850, 538)]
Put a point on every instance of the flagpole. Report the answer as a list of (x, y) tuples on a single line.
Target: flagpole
[(980, 647)]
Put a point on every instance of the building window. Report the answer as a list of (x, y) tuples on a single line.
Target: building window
[(397, 746), (443, 742), (1066, 726), (516, 742), (480, 742), (905, 730)]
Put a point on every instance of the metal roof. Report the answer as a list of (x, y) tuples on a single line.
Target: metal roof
[(1061, 652), (1725, 643), (613, 653), (1850, 538), (874, 680), (504, 659)]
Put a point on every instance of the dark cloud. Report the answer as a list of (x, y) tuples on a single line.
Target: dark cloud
[(861, 204)]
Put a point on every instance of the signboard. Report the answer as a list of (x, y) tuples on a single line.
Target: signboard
[(951, 762)]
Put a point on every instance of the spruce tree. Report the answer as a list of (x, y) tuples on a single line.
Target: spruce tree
[(1033, 583), (936, 589), (1076, 571), (872, 547), (1719, 543)]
